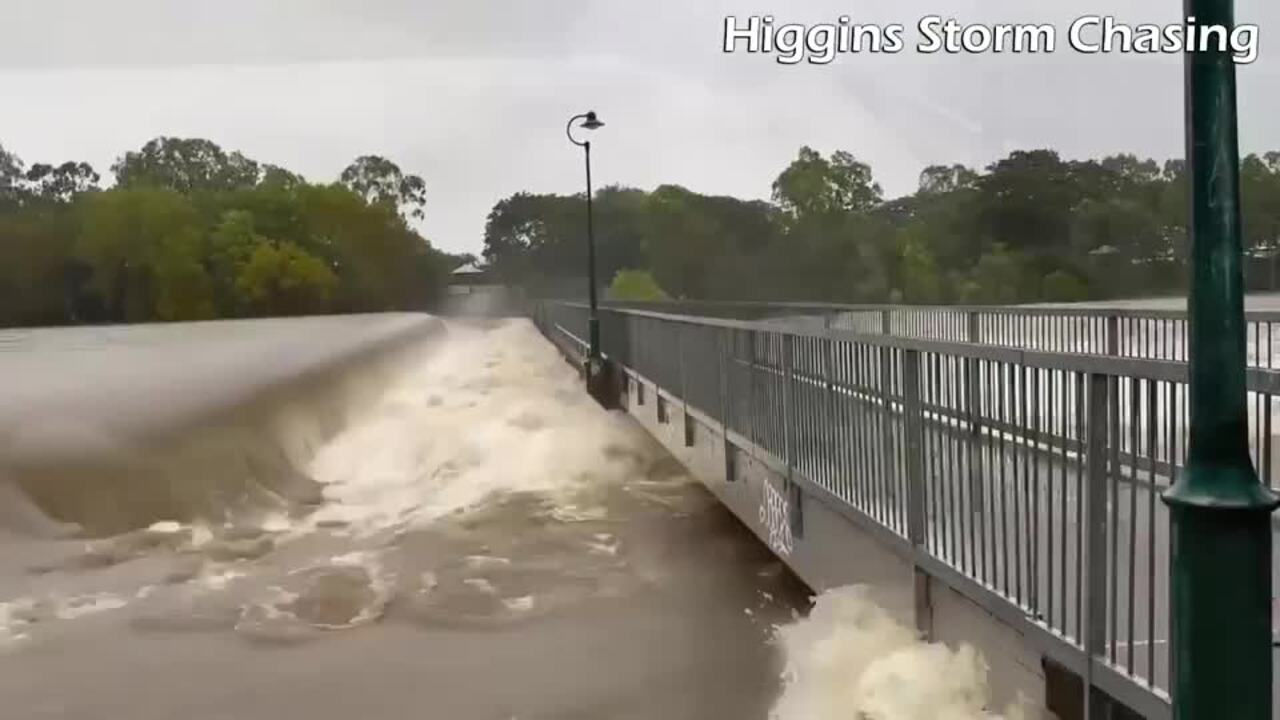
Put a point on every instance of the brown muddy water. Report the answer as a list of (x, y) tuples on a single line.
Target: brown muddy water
[(393, 516), (379, 517)]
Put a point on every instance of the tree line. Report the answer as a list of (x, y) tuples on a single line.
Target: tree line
[(1029, 227), (190, 231)]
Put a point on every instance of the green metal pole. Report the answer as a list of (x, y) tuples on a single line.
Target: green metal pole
[(1220, 574), (593, 319)]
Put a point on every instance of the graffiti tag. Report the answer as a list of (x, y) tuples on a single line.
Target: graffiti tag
[(775, 517)]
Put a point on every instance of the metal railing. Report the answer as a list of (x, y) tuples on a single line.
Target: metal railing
[(1025, 478), (1124, 332)]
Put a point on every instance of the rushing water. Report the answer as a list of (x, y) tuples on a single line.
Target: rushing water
[(393, 517)]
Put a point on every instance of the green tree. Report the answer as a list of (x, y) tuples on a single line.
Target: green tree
[(620, 218), (814, 185), (61, 183), (704, 246), (460, 259), (230, 245), (274, 176), (1260, 205), (182, 287), (937, 179), (38, 278), (283, 279), (378, 180), (124, 237), (1061, 286), (11, 179), (921, 279), (1026, 201), (683, 241), (537, 240), (192, 232), (996, 279), (381, 262), (185, 165), (636, 285)]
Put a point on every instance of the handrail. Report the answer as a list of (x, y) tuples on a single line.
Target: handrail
[(1260, 379), (1043, 310)]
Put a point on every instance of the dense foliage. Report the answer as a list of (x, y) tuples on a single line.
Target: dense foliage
[(190, 231), (635, 285), (1030, 227)]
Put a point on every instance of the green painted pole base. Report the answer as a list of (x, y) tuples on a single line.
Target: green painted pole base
[(593, 334), (603, 383), (1220, 587)]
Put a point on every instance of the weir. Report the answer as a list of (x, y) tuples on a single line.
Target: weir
[(994, 473), (185, 421)]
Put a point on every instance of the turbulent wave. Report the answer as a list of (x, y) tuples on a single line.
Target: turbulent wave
[(125, 450), (467, 475), (491, 411), (851, 659), (454, 478)]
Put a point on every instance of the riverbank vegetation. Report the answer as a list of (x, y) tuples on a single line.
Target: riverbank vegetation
[(1029, 227), (191, 231)]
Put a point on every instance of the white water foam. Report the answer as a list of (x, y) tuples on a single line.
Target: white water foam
[(490, 412), (13, 621), (19, 615), (345, 592), (850, 660), (485, 414)]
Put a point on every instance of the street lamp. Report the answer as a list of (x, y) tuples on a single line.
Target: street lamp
[(1220, 574), (589, 121)]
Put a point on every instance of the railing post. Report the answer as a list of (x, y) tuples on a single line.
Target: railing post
[(724, 343), (1113, 335), (886, 410), (913, 425), (830, 443), (788, 427), (685, 420), (917, 518), (975, 414), (795, 497), (1098, 435), (679, 327), (726, 338)]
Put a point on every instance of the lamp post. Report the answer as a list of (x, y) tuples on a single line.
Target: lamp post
[(1220, 565), (594, 369)]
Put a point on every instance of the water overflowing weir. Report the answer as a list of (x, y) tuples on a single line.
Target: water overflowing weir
[(112, 429), (433, 510), (358, 516)]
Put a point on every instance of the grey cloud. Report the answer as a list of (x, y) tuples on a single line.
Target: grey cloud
[(473, 95), (61, 33)]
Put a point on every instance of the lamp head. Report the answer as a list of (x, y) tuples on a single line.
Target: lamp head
[(591, 122)]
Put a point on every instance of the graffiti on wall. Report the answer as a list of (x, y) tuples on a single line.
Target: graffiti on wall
[(775, 517)]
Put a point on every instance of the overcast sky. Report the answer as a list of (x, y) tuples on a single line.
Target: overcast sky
[(473, 94)]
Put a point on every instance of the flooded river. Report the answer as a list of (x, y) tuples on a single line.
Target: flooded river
[(392, 517)]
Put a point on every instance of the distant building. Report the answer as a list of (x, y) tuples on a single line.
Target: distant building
[(475, 291), (470, 279)]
